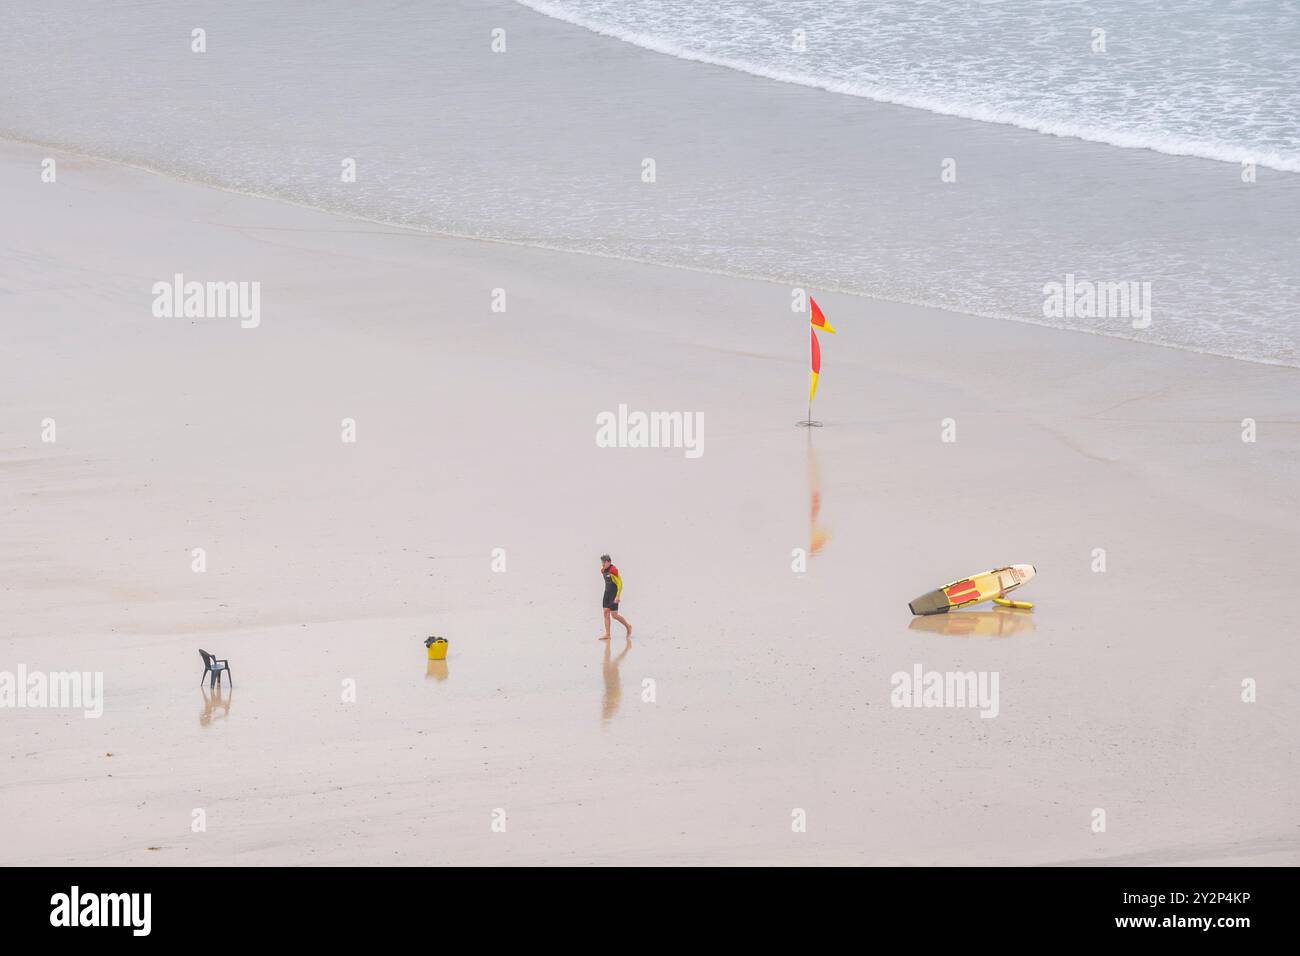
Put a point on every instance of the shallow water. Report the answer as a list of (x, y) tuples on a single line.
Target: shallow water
[(546, 142)]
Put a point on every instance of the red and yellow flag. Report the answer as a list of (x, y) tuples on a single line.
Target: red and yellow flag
[(814, 367), (817, 319)]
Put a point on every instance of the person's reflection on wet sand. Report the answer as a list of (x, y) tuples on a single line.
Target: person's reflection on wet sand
[(613, 683), (212, 701)]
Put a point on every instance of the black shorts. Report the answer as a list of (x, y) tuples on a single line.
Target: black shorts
[(610, 605)]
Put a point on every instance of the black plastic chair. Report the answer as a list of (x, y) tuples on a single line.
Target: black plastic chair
[(215, 666)]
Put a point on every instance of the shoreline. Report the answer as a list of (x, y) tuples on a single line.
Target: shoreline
[(755, 179), (785, 282), (1231, 155)]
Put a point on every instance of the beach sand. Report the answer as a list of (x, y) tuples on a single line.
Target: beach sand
[(329, 562)]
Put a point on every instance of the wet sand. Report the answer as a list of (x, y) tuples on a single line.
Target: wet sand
[(329, 562)]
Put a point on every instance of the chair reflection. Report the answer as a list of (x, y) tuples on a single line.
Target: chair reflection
[(216, 704)]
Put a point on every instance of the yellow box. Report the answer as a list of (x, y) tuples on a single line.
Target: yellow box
[(438, 650)]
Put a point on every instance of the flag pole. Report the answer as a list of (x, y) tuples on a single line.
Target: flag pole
[(809, 423)]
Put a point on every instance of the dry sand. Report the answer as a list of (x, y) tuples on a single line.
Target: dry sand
[(329, 562)]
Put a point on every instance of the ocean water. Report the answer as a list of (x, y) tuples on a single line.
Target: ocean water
[(1218, 79), (827, 168)]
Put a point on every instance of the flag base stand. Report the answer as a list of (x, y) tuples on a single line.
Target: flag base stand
[(809, 424)]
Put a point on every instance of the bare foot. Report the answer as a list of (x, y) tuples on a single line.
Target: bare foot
[(603, 637), (629, 632)]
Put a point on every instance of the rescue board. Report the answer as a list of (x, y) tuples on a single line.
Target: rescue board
[(986, 586)]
